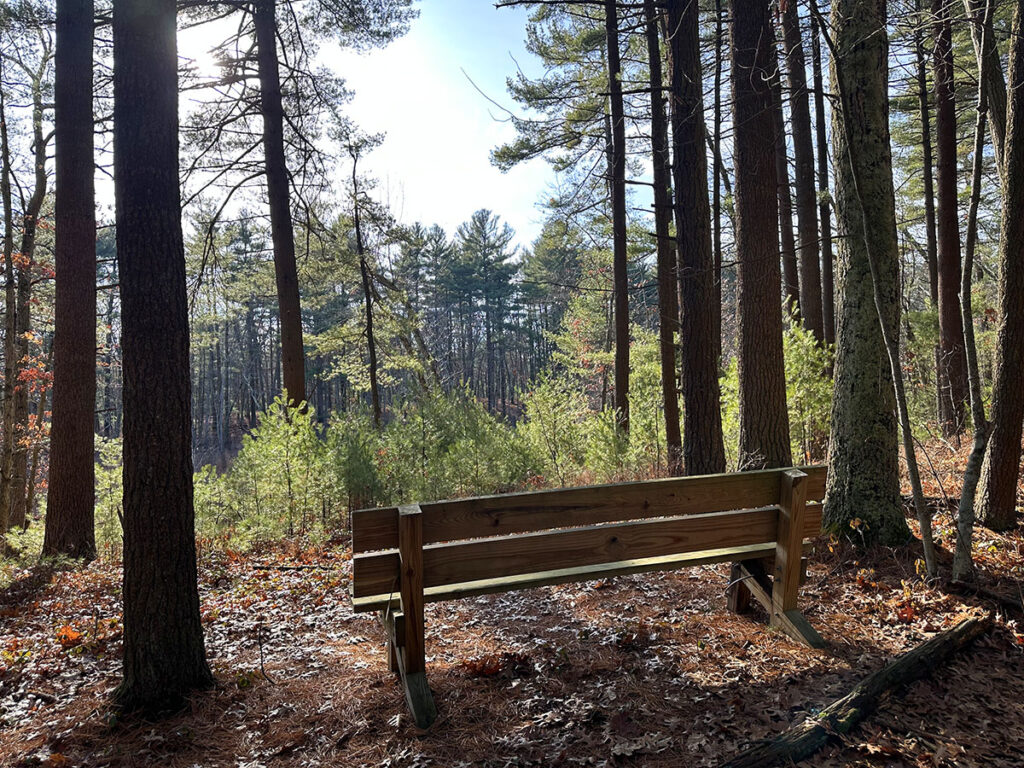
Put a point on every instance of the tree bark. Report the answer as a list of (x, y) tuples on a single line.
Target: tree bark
[(803, 176), (164, 657), (23, 322), (617, 187), (764, 421), (828, 307), (667, 279), (10, 316), (790, 270), (293, 360), (703, 446), (953, 361), (863, 476), (997, 493), (963, 556), (986, 49)]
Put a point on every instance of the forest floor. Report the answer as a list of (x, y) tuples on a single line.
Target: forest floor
[(645, 670)]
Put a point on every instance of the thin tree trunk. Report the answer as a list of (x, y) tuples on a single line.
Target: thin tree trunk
[(803, 176), (719, 177), (164, 658), (828, 308), (986, 50), (790, 271), (285, 271), (963, 562), (951, 332), (700, 335), (10, 317), (997, 495), (667, 279), (23, 322), (364, 271), (764, 421), (617, 184)]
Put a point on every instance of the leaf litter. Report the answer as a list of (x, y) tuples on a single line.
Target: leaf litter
[(646, 670)]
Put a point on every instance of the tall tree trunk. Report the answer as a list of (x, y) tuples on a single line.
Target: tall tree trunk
[(285, 272), (364, 272), (863, 489), (963, 557), (764, 421), (667, 280), (997, 494), (719, 176), (23, 322), (985, 48), (700, 336), (617, 184), (787, 242), (803, 176), (928, 169), (951, 331), (10, 317), (828, 308), (164, 657)]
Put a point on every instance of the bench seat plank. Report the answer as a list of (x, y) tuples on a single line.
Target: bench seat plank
[(568, 575)]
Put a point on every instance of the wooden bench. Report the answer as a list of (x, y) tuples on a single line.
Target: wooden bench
[(404, 557)]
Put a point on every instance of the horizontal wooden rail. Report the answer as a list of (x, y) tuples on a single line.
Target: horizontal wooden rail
[(504, 556), (568, 575), (377, 529)]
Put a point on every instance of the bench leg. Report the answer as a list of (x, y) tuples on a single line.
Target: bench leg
[(410, 653), (788, 550)]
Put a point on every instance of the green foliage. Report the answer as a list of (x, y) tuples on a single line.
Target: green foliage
[(109, 496), (808, 398), (808, 393), (279, 485), (443, 446)]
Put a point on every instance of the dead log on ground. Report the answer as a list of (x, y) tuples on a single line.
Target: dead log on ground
[(842, 715)]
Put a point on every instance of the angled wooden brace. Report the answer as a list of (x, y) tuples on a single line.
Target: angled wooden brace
[(788, 550)]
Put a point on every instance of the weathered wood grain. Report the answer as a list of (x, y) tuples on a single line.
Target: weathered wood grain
[(377, 529), (568, 575), (452, 563)]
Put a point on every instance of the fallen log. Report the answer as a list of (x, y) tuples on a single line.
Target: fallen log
[(844, 714)]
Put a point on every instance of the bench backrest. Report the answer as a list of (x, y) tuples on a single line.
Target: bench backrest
[(492, 537)]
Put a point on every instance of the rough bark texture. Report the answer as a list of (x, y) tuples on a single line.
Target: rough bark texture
[(863, 477), (997, 492), (952, 359), (844, 714), (828, 307), (787, 241), (10, 314), (293, 360), (703, 446), (617, 187), (667, 282), (764, 421), (803, 176), (163, 639), (995, 85)]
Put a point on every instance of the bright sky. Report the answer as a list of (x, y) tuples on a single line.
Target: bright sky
[(434, 166)]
